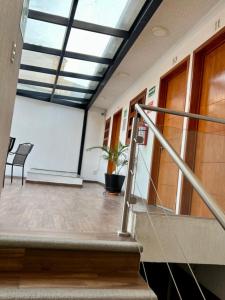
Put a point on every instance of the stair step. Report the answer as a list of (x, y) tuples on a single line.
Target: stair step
[(26, 254), (76, 294), (19, 241), (43, 268)]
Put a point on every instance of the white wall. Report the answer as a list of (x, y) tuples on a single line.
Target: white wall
[(182, 239), (55, 131), (93, 167), (192, 40)]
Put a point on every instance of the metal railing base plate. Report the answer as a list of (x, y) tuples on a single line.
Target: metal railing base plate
[(124, 233)]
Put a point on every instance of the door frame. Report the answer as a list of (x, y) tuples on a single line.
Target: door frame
[(141, 99), (192, 125), (163, 86), (119, 112)]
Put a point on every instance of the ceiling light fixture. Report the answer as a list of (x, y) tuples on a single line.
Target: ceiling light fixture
[(122, 75), (160, 31)]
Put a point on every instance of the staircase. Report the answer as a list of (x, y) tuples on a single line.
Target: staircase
[(43, 269)]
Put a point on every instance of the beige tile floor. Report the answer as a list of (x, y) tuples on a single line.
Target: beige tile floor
[(59, 211)]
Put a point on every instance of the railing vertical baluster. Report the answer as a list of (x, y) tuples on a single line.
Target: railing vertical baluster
[(129, 180)]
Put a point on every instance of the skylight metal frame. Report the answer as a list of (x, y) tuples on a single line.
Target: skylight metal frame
[(129, 37)]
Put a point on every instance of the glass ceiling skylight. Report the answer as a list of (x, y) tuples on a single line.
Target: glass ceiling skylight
[(36, 76), (34, 88), (111, 13), (39, 59), (92, 43), (78, 83), (83, 67), (72, 94), (44, 34), (54, 7), (78, 42)]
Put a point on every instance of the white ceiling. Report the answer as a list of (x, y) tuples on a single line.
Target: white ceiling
[(178, 16)]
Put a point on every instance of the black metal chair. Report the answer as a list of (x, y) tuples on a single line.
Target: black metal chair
[(11, 143), (19, 158), (10, 147)]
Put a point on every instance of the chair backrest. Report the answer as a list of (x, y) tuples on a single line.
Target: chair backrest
[(11, 143), (21, 153)]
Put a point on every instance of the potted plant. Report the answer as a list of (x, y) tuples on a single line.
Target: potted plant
[(118, 156)]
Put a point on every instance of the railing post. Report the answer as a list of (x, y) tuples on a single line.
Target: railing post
[(129, 180)]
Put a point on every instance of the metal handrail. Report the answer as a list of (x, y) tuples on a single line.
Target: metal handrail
[(188, 173), (182, 114)]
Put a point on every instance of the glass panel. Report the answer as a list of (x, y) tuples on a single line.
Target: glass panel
[(111, 13), (34, 88), (54, 7), (39, 59), (79, 83), (44, 34), (69, 101), (83, 67), (92, 43), (36, 76), (72, 94)]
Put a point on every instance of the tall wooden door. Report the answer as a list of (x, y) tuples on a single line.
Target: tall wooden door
[(210, 144), (172, 96), (115, 136)]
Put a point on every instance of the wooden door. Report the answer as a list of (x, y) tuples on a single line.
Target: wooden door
[(139, 99), (172, 95), (210, 144), (115, 136)]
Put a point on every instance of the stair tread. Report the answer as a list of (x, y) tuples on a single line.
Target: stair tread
[(76, 294), (18, 241)]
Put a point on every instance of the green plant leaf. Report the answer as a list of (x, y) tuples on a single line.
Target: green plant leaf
[(117, 155)]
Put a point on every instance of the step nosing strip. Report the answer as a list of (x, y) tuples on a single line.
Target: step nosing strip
[(68, 244), (73, 293)]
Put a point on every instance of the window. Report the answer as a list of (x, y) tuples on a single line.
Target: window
[(106, 133), (138, 99)]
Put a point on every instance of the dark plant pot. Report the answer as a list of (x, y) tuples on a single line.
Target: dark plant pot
[(114, 183)]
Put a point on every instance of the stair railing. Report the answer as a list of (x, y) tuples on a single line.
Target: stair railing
[(187, 172)]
